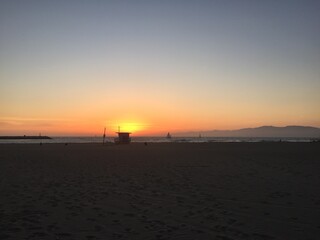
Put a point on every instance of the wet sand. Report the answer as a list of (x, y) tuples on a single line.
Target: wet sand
[(160, 191)]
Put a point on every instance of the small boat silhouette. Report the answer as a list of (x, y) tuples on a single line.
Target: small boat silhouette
[(168, 136)]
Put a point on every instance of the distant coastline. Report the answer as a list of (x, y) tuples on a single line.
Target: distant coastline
[(262, 132), (24, 137)]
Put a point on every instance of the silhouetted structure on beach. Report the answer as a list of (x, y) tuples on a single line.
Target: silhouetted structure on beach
[(123, 138), (168, 136)]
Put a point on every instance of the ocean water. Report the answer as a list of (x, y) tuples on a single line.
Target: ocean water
[(155, 140)]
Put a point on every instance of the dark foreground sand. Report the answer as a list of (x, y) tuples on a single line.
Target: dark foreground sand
[(160, 191)]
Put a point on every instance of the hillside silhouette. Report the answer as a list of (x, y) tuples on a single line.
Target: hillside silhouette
[(263, 131)]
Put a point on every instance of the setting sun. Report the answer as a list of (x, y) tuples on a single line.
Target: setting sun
[(124, 126)]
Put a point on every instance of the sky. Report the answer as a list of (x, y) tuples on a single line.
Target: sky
[(152, 67)]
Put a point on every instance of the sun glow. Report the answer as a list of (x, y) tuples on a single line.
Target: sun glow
[(132, 127)]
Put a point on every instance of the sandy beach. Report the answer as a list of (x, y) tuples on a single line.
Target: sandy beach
[(160, 191)]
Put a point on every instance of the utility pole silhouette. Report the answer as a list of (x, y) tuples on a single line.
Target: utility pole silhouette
[(104, 136)]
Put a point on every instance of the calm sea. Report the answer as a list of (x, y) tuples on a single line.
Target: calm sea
[(157, 140)]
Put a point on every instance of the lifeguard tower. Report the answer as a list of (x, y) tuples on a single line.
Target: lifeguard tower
[(123, 137)]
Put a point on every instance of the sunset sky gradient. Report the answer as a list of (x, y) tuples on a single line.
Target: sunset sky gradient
[(73, 67)]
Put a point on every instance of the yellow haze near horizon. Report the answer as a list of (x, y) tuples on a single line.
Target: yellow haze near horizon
[(149, 108)]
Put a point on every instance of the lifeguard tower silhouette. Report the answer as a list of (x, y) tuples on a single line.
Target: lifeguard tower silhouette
[(123, 137)]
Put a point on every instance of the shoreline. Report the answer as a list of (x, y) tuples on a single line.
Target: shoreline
[(73, 140)]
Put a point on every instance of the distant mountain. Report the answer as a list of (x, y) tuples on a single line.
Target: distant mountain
[(264, 131)]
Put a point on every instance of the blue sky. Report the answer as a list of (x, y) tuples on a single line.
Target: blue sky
[(220, 64)]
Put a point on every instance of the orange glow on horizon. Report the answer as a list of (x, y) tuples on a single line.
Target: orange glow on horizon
[(144, 125), (124, 126)]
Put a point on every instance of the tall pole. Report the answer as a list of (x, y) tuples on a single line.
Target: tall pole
[(104, 135)]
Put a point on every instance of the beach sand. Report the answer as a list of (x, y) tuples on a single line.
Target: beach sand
[(160, 191)]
